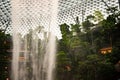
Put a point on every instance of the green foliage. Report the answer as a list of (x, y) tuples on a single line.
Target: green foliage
[(62, 61), (5, 56), (90, 17), (98, 16), (87, 25), (65, 30), (5, 42), (75, 28), (114, 57), (93, 67), (81, 51)]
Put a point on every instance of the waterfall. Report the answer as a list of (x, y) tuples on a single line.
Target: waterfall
[(34, 40)]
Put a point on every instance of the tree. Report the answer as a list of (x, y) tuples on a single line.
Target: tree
[(81, 48), (63, 66), (98, 16), (5, 55)]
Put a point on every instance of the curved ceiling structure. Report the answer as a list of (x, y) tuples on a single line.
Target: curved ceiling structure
[(68, 11), (5, 13)]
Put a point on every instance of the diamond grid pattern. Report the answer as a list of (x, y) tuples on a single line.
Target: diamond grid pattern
[(68, 11), (5, 20), (81, 8)]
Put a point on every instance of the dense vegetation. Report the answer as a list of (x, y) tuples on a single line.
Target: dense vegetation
[(79, 56), (5, 55), (79, 51)]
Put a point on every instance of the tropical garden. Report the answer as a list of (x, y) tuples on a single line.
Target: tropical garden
[(90, 51), (5, 55), (87, 51)]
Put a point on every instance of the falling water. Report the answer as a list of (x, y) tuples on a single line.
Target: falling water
[(34, 23)]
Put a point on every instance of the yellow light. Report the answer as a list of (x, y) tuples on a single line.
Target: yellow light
[(106, 50), (109, 51), (103, 52)]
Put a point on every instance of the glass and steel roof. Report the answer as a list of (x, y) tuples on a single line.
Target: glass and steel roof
[(5, 13), (68, 10)]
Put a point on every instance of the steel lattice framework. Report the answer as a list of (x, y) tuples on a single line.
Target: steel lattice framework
[(68, 11), (5, 13)]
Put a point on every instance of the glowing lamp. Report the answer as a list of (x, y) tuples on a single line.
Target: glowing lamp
[(106, 50)]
